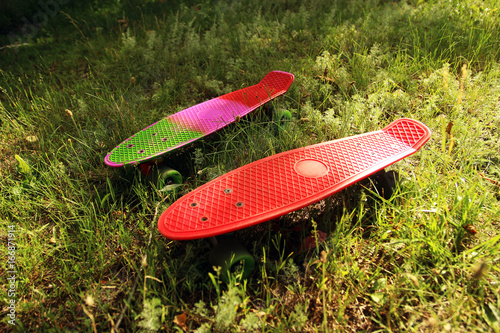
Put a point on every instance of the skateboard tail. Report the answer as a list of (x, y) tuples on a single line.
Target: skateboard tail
[(282, 183), (411, 132)]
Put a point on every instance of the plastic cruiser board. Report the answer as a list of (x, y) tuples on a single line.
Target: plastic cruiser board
[(197, 121), (282, 183)]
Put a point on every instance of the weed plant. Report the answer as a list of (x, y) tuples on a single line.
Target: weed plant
[(88, 254)]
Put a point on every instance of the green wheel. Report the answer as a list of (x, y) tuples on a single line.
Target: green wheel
[(168, 178), (232, 257), (162, 176), (281, 118)]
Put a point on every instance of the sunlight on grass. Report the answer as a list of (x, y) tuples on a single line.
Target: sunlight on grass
[(88, 254)]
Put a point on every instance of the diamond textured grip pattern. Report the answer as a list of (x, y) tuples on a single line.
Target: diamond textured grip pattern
[(197, 121), (285, 182)]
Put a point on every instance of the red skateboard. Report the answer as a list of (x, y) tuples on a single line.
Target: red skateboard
[(285, 182)]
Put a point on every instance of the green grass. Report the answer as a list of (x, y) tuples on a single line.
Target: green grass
[(89, 256)]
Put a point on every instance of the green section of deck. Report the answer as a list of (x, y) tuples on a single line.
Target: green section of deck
[(154, 140)]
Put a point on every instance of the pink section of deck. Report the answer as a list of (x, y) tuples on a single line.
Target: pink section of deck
[(212, 115), (285, 182)]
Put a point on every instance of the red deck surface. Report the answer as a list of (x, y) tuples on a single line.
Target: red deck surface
[(282, 183)]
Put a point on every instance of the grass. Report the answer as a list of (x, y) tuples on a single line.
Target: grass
[(88, 255)]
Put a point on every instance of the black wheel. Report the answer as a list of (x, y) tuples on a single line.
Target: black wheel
[(385, 182)]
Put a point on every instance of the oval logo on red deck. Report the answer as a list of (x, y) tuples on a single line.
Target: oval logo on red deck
[(311, 168)]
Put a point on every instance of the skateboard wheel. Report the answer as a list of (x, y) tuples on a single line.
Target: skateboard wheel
[(232, 257), (164, 177), (168, 177), (281, 118), (386, 182)]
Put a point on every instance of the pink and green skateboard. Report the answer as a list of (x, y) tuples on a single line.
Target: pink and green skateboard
[(193, 123)]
